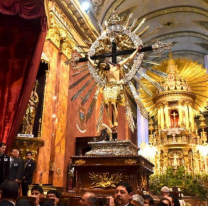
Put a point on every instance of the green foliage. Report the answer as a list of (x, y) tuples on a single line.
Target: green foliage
[(190, 185)]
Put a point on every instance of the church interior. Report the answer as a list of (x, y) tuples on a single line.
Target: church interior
[(103, 91)]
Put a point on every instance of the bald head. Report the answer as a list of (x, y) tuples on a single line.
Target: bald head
[(88, 199)]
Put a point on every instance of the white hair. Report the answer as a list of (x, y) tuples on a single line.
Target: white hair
[(138, 198)]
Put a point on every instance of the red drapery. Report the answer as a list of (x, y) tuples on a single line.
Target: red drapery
[(22, 35)]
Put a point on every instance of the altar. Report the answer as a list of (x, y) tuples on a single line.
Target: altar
[(108, 163)]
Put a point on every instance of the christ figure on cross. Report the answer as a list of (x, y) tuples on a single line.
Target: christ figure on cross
[(112, 92)]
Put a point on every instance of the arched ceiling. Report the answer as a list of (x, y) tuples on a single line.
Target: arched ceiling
[(184, 22)]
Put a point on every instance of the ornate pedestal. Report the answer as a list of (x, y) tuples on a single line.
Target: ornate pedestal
[(107, 164)]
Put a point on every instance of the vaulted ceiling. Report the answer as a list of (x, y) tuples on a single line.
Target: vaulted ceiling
[(184, 22)]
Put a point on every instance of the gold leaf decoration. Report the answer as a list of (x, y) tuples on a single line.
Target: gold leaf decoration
[(104, 180)]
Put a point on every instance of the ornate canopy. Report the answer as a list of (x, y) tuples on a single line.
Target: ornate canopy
[(185, 79)]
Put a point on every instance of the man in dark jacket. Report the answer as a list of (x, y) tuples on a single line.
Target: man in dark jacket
[(4, 163), (9, 193), (29, 168), (122, 196), (15, 166)]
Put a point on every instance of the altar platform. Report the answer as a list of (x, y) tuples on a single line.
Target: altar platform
[(108, 163)]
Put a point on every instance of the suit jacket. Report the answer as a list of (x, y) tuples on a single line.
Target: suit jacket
[(6, 203), (6, 167), (15, 169), (130, 204), (29, 169)]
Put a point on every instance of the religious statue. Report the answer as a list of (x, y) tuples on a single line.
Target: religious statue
[(70, 177), (29, 117), (112, 75), (113, 90), (174, 119)]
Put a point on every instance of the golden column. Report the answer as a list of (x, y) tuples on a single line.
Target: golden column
[(186, 115), (162, 116), (158, 117), (191, 115), (180, 113), (166, 115)]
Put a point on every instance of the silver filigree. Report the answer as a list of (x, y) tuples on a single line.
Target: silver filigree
[(159, 46)]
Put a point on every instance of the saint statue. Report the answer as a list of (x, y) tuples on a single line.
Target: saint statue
[(174, 119), (29, 117)]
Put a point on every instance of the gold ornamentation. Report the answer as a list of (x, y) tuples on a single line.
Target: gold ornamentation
[(24, 144), (29, 117), (104, 180), (130, 161), (80, 162)]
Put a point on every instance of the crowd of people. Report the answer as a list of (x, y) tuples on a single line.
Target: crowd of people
[(16, 169), (14, 173)]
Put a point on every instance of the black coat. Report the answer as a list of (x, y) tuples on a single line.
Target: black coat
[(15, 169), (6, 167), (6, 203), (29, 169)]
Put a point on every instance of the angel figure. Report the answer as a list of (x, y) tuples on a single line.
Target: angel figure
[(113, 90)]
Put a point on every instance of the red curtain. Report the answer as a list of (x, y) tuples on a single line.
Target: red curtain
[(22, 35)]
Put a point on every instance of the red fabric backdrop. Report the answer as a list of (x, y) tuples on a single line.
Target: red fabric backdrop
[(22, 35)]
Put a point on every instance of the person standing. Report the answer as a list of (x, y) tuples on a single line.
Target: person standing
[(15, 166), (4, 163), (29, 168)]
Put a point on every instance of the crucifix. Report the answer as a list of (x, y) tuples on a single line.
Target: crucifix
[(174, 123)]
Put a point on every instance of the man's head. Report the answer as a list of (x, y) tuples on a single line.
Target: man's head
[(137, 200), (166, 201), (9, 191), (37, 191), (29, 155), (103, 65), (52, 194), (123, 193), (165, 191), (2, 148), (14, 153), (148, 200), (88, 199)]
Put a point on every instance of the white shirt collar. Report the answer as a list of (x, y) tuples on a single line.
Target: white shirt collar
[(11, 202)]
